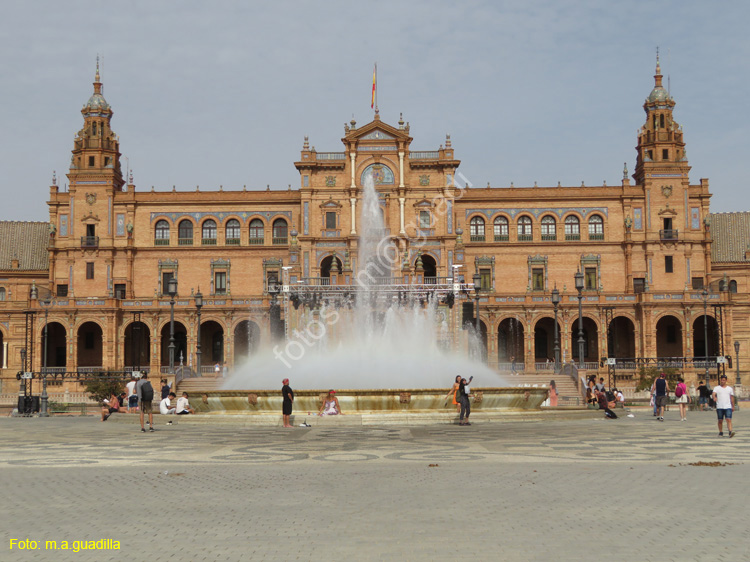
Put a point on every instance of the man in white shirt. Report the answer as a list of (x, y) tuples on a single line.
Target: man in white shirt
[(183, 406), (165, 406), (723, 395), (132, 396)]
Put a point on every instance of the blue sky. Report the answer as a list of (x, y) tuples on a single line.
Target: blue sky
[(224, 92)]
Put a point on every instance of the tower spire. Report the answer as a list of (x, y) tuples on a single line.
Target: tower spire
[(658, 75), (97, 79)]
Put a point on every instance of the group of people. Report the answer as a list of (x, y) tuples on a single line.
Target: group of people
[(460, 394), (138, 398), (328, 407), (597, 395)]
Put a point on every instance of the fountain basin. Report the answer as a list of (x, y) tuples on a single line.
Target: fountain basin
[(423, 400)]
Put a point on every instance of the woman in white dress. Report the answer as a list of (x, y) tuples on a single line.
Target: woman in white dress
[(330, 406)]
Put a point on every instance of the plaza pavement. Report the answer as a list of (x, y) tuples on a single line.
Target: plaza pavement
[(558, 489)]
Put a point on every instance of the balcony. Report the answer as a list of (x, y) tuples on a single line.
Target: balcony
[(477, 237), (255, 241), (89, 241), (208, 241), (280, 241), (330, 156), (596, 236), (232, 241), (185, 242), (161, 242), (525, 237), (569, 237), (548, 237), (501, 238), (668, 234), (425, 155)]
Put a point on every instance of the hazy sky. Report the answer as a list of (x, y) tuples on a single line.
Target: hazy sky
[(210, 93)]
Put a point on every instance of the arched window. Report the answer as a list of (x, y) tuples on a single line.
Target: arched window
[(732, 287), (501, 229), (161, 233), (476, 229), (232, 232), (524, 229), (572, 228), (596, 228), (279, 231), (185, 233), (2, 293), (256, 232), (208, 232), (549, 228)]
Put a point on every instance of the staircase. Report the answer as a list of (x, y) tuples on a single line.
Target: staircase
[(567, 391)]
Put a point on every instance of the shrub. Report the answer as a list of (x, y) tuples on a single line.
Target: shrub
[(101, 386), (647, 375)]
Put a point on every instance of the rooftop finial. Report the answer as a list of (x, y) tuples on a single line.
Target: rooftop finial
[(657, 76), (54, 177), (97, 79)]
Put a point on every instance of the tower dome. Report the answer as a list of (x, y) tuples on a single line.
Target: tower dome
[(96, 101), (659, 93)]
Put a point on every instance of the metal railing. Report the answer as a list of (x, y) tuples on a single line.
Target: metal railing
[(89, 241), (185, 242), (232, 241), (208, 241), (280, 241), (425, 155), (501, 237), (547, 237), (161, 241), (596, 236), (569, 237), (525, 237), (668, 234), (330, 156), (253, 241), (477, 237)]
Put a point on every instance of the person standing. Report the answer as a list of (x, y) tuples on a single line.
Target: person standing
[(682, 398), (132, 398), (165, 389), (145, 393), (513, 365), (452, 394), (723, 395), (463, 398), (600, 387), (288, 397), (703, 395), (552, 394), (660, 389)]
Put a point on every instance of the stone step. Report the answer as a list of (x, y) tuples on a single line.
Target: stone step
[(199, 384)]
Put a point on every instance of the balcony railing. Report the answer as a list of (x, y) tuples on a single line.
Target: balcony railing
[(477, 237), (330, 156), (89, 241), (185, 242), (208, 241), (668, 234), (547, 237), (425, 155), (232, 241), (596, 236), (280, 240), (161, 242), (569, 237), (525, 237), (501, 238), (255, 241)]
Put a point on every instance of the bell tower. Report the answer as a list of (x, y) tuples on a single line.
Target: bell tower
[(661, 149), (96, 148)]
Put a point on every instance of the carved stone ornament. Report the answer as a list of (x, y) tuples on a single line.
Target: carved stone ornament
[(424, 179), (330, 181), (404, 398), (666, 190), (91, 198), (252, 399)]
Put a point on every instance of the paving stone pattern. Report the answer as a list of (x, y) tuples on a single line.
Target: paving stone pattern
[(588, 489)]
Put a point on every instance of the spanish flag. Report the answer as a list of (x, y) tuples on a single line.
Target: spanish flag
[(374, 86)]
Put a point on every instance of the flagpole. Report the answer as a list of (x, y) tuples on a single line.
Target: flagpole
[(376, 89)]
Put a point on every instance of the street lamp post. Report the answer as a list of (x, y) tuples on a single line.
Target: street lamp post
[(556, 303), (172, 290), (737, 380), (198, 305), (704, 294), (579, 288), (43, 408), (477, 287)]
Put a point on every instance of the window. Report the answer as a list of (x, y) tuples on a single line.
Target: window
[(330, 220), (91, 230), (590, 279), (120, 291), (220, 282), (91, 161), (668, 264), (486, 279), (697, 283), (501, 229), (89, 270), (596, 228), (185, 233), (665, 154), (639, 284), (62, 290), (524, 229), (305, 181), (572, 228), (733, 286), (106, 161), (2, 293), (208, 232), (161, 234), (165, 277), (232, 232), (661, 121), (256, 231), (549, 228), (476, 229), (279, 231), (425, 221), (537, 279), (93, 128)]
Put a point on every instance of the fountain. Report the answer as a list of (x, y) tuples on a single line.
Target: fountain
[(390, 344)]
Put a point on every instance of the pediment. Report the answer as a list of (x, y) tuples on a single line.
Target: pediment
[(377, 131), (377, 134), (331, 204), (423, 203), (668, 212)]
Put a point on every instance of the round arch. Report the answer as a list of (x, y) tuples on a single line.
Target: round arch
[(90, 344), (429, 265), (137, 348), (212, 342), (180, 343), (246, 340), (590, 340), (544, 339), (56, 344), (621, 338), (701, 346), (510, 339), (669, 336), (326, 263)]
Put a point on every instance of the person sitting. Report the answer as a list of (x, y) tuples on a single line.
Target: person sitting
[(330, 406), (111, 405), (590, 398), (619, 398), (165, 406), (183, 406), (605, 405)]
